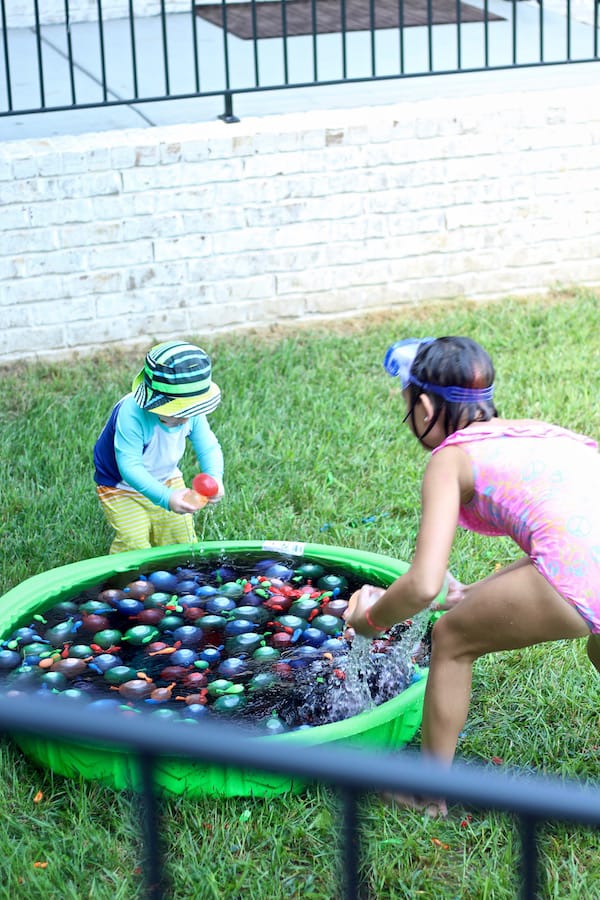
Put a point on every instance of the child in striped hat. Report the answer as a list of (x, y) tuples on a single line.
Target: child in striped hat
[(136, 457)]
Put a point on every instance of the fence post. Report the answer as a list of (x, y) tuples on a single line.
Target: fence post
[(228, 115), (153, 861), (529, 885), (350, 844)]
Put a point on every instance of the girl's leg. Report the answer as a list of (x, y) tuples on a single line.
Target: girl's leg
[(593, 650), (515, 608)]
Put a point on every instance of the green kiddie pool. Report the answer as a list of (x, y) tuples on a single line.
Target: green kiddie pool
[(388, 726)]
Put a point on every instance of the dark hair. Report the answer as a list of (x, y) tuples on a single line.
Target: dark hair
[(459, 362)]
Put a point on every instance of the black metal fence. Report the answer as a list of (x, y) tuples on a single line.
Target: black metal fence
[(532, 800), (59, 62)]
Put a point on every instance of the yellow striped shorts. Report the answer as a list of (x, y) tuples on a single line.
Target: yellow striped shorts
[(138, 523)]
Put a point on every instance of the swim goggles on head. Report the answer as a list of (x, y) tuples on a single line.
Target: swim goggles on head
[(398, 362), (400, 357)]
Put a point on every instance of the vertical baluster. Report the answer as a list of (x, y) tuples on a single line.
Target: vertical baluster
[(401, 33), (313, 12), (514, 32), (255, 43), (225, 43), (165, 48), (350, 843), (133, 49), (102, 54), (344, 48), (486, 33), (194, 23), (458, 36), (286, 79), (6, 59), (153, 859), (372, 28), (38, 39), (70, 53), (528, 857), (430, 34)]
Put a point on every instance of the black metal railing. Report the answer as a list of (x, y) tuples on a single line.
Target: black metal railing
[(533, 800), (217, 50)]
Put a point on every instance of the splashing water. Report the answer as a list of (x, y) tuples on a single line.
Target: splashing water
[(367, 678), (352, 693), (395, 668), (210, 523)]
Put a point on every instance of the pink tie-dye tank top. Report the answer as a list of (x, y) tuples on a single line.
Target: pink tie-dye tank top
[(540, 485)]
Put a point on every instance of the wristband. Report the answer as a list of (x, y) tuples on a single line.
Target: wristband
[(372, 624)]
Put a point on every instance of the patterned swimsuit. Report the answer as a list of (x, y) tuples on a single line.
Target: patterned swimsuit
[(540, 485)]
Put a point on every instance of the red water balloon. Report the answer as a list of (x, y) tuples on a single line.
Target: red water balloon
[(205, 485)]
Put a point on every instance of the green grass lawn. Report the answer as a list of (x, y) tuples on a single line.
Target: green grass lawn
[(310, 428)]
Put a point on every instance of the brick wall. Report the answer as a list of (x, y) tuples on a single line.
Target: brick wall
[(130, 236)]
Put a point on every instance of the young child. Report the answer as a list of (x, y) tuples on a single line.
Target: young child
[(139, 484), (537, 483)]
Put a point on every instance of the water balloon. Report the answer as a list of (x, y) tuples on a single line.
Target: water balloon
[(205, 485)]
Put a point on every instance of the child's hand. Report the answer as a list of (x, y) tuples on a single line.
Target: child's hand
[(359, 603), (220, 493), (179, 502), (454, 594)]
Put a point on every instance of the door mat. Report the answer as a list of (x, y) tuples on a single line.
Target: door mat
[(325, 16)]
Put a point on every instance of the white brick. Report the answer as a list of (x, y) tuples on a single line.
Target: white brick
[(49, 313), (163, 323), (13, 217), (218, 316), (83, 284), (27, 167), (111, 256), (113, 206), (35, 240), (28, 342), (153, 274), (244, 239), (181, 248), (90, 234), (18, 292), (273, 309), (241, 289), (61, 212), (106, 331), (221, 219), (58, 262), (88, 185)]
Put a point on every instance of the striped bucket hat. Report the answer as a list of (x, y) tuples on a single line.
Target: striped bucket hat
[(176, 381)]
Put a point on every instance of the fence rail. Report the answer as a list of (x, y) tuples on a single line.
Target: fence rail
[(76, 54), (532, 800)]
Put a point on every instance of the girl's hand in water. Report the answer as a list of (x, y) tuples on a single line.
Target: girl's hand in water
[(454, 594), (359, 603)]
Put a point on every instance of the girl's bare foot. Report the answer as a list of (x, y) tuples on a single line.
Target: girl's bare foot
[(436, 808)]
